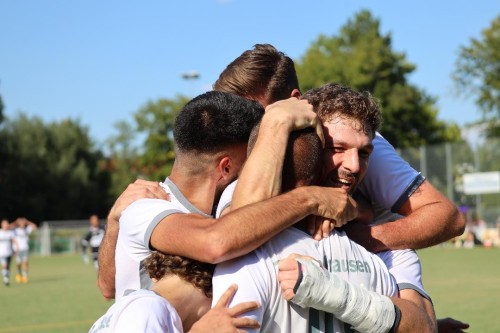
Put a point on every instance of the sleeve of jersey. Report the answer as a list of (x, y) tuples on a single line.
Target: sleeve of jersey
[(246, 272), (140, 218), (389, 180), (405, 267), (148, 314)]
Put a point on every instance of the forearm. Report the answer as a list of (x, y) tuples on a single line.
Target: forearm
[(365, 310), (416, 231), (236, 233), (261, 177), (417, 313), (427, 226), (107, 269)]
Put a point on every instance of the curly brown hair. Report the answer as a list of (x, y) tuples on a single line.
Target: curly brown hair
[(333, 99), (199, 274)]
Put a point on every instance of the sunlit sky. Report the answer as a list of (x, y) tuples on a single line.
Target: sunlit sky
[(100, 61)]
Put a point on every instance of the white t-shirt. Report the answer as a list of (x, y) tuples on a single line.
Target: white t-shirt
[(140, 311), (405, 267), (389, 180), (256, 275), (137, 223), (6, 237), (22, 237)]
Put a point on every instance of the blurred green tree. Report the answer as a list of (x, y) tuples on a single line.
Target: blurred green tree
[(50, 171), (155, 121), (362, 58), (477, 72)]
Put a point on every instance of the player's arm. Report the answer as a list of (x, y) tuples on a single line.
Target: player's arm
[(306, 283), (417, 312), (246, 228), (261, 176), (429, 218), (137, 190), (31, 224), (14, 244)]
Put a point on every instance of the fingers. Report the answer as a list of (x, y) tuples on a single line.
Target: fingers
[(243, 307), (325, 227), (245, 322), (288, 264), (146, 189), (226, 296), (319, 131)]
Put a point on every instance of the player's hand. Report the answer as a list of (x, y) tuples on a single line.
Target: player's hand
[(297, 114), (450, 325), (320, 227), (336, 207), (288, 274), (138, 190), (222, 319)]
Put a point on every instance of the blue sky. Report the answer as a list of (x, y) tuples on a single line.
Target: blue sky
[(100, 61)]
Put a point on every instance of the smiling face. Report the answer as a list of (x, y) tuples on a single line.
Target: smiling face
[(346, 153)]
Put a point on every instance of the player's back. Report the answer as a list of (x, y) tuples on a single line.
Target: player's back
[(256, 275)]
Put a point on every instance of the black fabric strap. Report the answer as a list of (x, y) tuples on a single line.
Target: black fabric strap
[(299, 279), (397, 320)]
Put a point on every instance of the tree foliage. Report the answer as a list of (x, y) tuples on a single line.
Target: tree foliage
[(1, 110), (155, 121), (478, 72), (50, 171), (362, 58)]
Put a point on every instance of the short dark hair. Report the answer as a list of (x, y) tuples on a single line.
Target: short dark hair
[(262, 72), (199, 274), (303, 159), (333, 99), (215, 120)]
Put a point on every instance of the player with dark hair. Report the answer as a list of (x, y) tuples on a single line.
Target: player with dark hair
[(211, 134)]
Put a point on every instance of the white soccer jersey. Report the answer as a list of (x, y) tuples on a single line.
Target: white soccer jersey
[(22, 237), (136, 226), (6, 237), (256, 276), (389, 180), (139, 311), (406, 268)]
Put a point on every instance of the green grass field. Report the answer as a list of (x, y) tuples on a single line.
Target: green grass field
[(464, 284), (62, 295)]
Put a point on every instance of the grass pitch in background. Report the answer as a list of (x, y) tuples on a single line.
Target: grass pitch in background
[(464, 284), (62, 295)]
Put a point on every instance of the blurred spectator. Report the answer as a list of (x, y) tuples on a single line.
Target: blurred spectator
[(92, 239), (477, 226), (6, 249), (22, 232)]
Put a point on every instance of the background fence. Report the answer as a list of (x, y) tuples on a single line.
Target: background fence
[(444, 166), (59, 236)]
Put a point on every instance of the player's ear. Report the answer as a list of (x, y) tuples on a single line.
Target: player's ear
[(226, 167), (295, 93)]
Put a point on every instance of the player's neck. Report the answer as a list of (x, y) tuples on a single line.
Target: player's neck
[(199, 189), (189, 302)]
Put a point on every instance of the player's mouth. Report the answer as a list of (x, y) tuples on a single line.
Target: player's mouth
[(344, 183)]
